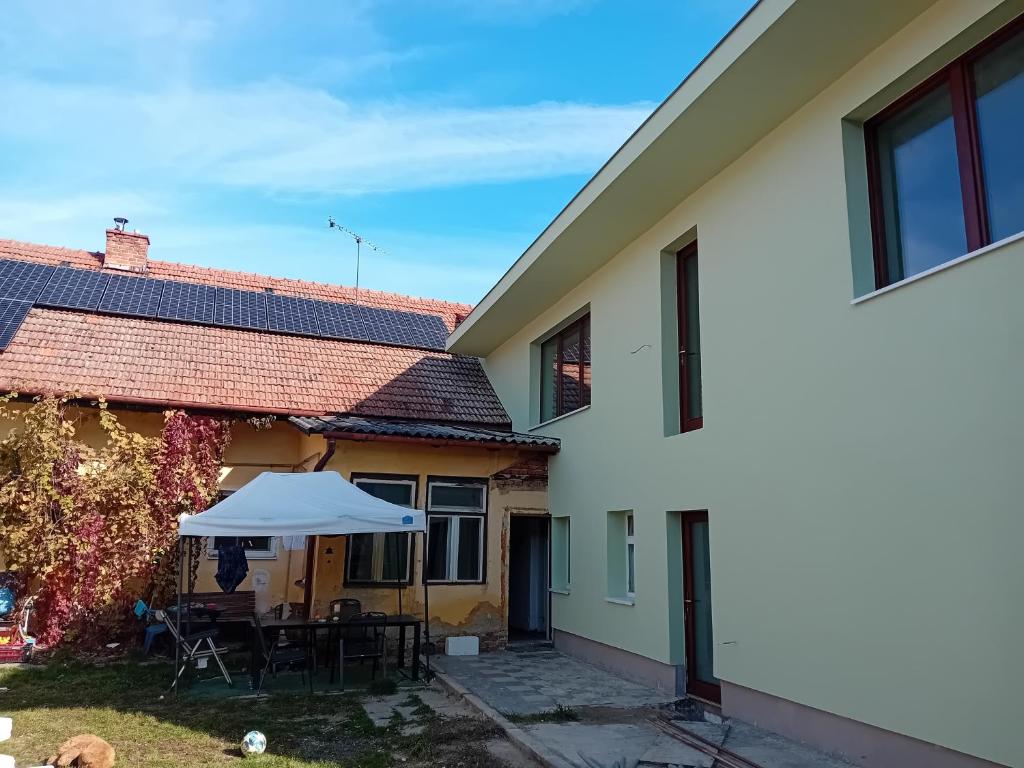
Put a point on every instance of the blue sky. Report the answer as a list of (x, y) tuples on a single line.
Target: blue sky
[(448, 132)]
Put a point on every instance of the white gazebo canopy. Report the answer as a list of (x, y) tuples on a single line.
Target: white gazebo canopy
[(301, 504)]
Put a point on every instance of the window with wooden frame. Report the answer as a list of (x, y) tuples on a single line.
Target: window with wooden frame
[(630, 557), (945, 169), (382, 559), (565, 370), (691, 405), (456, 530)]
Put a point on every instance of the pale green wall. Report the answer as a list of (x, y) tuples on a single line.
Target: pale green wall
[(860, 463)]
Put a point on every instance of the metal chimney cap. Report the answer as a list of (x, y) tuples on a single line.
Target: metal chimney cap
[(120, 222)]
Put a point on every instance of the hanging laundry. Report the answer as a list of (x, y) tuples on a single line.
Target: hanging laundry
[(232, 567)]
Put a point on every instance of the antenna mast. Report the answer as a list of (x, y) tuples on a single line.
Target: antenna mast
[(360, 240)]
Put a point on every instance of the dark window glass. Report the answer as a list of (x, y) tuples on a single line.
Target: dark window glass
[(457, 496), (396, 493), (378, 557), (920, 186), (469, 548), (360, 557), (396, 557), (570, 370), (437, 548), (549, 375), (565, 370), (690, 401), (999, 88), (248, 543)]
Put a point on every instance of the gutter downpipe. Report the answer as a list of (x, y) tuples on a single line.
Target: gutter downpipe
[(307, 589)]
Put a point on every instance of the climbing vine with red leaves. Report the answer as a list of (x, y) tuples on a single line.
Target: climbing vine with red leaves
[(91, 528)]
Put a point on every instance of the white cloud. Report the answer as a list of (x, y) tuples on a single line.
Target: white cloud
[(66, 218), (279, 136)]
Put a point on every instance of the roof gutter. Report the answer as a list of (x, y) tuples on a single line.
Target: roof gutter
[(436, 442)]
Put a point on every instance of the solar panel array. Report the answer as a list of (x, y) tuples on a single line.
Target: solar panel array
[(24, 284)]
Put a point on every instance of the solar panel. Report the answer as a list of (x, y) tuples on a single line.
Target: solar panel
[(188, 301), (23, 280), (240, 309), (73, 289), (137, 296), (391, 326), (12, 314), (290, 314), (382, 326), (340, 321)]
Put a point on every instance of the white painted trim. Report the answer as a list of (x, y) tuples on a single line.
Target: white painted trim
[(559, 418), (621, 600), (940, 268), (559, 591)]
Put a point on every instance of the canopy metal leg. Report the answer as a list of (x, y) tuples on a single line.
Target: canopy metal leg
[(426, 610), (177, 617)]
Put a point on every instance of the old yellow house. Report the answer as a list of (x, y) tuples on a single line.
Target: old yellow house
[(318, 378)]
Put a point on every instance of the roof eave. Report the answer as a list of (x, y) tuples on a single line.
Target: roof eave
[(433, 442), (781, 54)]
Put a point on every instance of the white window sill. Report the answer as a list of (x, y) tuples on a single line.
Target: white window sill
[(621, 600), (559, 418), (940, 268), (555, 591)]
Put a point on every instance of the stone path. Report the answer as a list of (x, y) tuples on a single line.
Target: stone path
[(382, 710), (533, 681)]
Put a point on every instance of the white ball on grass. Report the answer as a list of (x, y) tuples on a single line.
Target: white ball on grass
[(254, 743)]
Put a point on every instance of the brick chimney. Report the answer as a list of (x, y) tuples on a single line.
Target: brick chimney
[(126, 251)]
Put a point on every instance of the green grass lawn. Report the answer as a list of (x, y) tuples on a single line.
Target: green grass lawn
[(124, 703)]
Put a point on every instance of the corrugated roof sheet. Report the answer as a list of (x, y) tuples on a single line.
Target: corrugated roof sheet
[(357, 425)]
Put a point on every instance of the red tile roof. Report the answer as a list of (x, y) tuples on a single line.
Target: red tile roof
[(246, 281), (152, 361), (182, 365)]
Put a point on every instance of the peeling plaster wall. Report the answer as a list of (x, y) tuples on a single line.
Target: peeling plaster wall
[(455, 609)]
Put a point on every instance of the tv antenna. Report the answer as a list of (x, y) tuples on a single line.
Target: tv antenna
[(360, 242)]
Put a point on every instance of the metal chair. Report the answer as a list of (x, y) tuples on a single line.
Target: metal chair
[(362, 641), (277, 656), (345, 607), (194, 647)]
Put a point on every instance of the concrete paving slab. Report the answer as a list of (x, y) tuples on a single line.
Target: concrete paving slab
[(616, 746), (524, 683), (772, 751)]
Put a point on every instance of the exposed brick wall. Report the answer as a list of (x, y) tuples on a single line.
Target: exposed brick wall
[(126, 251)]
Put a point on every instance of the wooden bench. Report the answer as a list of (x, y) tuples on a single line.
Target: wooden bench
[(236, 606)]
